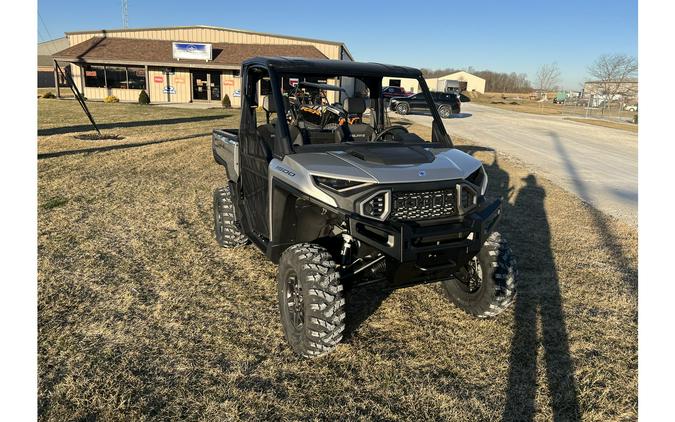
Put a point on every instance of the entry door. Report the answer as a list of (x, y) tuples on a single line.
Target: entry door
[(200, 85), (214, 85), (206, 86)]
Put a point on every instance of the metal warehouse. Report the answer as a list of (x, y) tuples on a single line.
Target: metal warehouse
[(176, 64)]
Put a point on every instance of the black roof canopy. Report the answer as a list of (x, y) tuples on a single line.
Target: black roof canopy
[(332, 67)]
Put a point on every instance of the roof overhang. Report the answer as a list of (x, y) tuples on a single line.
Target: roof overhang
[(181, 64)]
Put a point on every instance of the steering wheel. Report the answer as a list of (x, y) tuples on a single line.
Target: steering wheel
[(388, 131)]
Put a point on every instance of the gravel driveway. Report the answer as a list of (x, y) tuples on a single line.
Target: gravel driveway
[(597, 164)]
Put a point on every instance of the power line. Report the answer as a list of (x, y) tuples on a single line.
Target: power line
[(45, 26)]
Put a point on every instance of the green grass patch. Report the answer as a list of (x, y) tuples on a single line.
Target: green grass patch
[(55, 202)]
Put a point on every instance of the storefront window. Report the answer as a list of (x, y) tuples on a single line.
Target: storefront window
[(116, 77), (136, 77), (94, 76), (120, 77)]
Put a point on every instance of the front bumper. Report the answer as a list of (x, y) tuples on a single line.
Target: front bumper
[(448, 245), (417, 254)]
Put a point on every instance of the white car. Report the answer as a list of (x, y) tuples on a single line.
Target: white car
[(631, 107)]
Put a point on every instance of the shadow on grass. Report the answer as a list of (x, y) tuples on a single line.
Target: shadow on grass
[(117, 125), (116, 147), (526, 226), (360, 304)]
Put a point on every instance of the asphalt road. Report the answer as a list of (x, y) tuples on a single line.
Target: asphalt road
[(597, 164)]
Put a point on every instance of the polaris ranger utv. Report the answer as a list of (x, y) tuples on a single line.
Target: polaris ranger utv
[(349, 199)]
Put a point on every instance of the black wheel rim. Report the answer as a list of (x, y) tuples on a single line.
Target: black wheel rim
[(471, 276), (294, 301)]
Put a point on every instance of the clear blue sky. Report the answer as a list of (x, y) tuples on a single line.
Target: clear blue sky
[(504, 36)]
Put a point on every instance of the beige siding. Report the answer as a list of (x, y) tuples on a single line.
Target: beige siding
[(474, 83), (210, 35), (409, 84), (126, 95), (76, 74), (180, 80), (230, 84)]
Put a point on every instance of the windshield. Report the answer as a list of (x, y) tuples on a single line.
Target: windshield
[(340, 110)]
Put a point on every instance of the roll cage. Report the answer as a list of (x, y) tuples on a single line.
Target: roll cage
[(371, 74)]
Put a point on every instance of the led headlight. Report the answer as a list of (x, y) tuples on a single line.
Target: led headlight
[(338, 185), (376, 205)]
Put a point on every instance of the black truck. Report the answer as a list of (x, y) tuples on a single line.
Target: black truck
[(353, 200), (448, 103)]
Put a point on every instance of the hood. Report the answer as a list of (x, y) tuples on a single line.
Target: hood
[(406, 165)]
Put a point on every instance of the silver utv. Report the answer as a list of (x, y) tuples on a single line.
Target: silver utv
[(340, 195)]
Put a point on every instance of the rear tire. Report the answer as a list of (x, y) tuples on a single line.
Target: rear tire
[(489, 280), (444, 111), (225, 223), (310, 298), (402, 108)]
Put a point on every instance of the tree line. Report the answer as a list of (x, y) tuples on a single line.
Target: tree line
[(494, 81)]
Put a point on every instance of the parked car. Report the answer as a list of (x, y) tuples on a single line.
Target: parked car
[(393, 91), (631, 107), (447, 102)]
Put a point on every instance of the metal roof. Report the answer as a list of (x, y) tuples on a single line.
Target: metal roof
[(158, 52)]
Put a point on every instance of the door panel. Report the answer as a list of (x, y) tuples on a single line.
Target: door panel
[(254, 171), (418, 102), (199, 85), (214, 84)]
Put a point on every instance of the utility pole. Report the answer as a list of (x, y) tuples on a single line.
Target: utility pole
[(125, 14)]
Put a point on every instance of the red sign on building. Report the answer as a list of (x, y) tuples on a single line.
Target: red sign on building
[(159, 79)]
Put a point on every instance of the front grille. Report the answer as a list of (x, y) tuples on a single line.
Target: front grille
[(424, 205)]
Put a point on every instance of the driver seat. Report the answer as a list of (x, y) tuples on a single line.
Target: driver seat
[(358, 131)]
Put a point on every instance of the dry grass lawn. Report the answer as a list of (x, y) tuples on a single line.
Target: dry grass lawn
[(522, 103), (614, 125), (141, 315)]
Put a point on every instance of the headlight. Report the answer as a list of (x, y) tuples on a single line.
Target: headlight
[(338, 185), (376, 205), (479, 178)]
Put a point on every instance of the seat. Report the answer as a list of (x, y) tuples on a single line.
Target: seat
[(358, 131), (268, 131)]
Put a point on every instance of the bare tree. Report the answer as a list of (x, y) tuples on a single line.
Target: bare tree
[(547, 77), (614, 74)]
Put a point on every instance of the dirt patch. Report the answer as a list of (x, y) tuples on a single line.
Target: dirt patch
[(99, 137)]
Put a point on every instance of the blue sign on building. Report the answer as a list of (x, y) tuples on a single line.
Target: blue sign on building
[(192, 51)]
